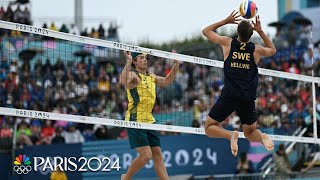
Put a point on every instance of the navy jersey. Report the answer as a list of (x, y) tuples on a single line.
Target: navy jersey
[(240, 72)]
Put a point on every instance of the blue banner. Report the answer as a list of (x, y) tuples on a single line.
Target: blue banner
[(183, 154), (5, 164)]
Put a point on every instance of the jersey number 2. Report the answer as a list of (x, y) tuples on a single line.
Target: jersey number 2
[(242, 46)]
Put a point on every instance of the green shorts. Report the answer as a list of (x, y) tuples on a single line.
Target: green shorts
[(143, 137)]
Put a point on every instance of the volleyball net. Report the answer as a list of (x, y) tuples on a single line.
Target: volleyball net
[(63, 77)]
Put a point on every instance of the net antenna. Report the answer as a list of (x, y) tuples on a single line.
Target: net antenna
[(315, 130)]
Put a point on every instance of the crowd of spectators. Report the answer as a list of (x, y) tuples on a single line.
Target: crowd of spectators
[(99, 33), (21, 14), (17, 15), (74, 88), (91, 88), (48, 87)]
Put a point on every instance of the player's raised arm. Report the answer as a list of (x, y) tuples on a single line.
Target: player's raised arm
[(233, 18), (269, 48), (127, 77), (166, 81)]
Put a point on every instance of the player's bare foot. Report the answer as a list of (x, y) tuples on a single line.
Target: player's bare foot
[(234, 143), (267, 142)]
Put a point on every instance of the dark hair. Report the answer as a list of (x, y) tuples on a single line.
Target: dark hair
[(132, 64), (245, 31), (282, 147)]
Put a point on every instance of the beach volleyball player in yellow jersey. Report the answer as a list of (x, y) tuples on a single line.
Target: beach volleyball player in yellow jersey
[(141, 90)]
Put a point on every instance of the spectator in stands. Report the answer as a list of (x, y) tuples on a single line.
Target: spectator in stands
[(280, 40), (44, 25), (94, 33), (5, 131), (102, 133), (8, 16), (199, 110), (53, 27), (2, 13), (25, 98), (113, 32), (18, 15), (3, 74), (23, 128), (85, 32), (73, 135), (101, 31), (35, 128), (195, 123), (244, 165), (74, 29), (38, 66), (307, 57), (64, 28), (6, 134), (47, 130), (14, 71), (282, 167), (47, 67), (123, 134), (26, 17), (82, 88), (304, 35), (104, 83), (58, 138), (292, 34), (88, 133), (23, 141), (315, 159)]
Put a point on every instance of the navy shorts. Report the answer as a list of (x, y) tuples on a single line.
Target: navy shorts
[(143, 137), (246, 110)]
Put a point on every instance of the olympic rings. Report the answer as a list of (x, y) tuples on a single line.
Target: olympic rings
[(22, 169)]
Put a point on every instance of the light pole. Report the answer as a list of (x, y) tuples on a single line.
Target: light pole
[(78, 18)]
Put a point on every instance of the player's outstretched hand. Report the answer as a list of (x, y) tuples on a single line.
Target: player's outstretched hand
[(233, 18), (128, 56), (175, 61), (257, 25)]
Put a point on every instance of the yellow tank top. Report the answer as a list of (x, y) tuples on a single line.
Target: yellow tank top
[(141, 100)]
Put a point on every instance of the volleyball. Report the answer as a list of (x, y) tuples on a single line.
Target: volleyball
[(248, 9)]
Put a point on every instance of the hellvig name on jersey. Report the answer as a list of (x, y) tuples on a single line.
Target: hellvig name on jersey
[(240, 72)]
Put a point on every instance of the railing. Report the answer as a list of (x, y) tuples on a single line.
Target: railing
[(259, 176), (267, 167)]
